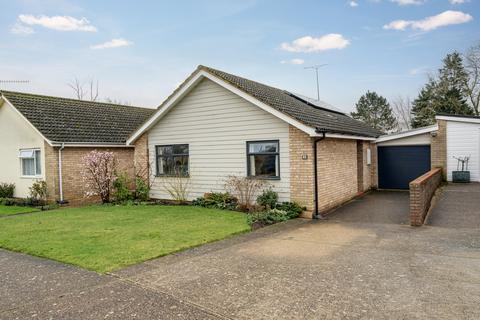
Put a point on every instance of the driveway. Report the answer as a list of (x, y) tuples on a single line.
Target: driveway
[(340, 268), (458, 207)]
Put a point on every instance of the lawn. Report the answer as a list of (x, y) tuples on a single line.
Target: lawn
[(106, 238), (9, 210)]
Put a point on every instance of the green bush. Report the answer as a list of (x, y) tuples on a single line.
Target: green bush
[(7, 190), (122, 192), (142, 190), (292, 208), (39, 193), (268, 199), (218, 200), (268, 217)]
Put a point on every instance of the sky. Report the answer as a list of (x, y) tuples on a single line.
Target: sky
[(140, 51)]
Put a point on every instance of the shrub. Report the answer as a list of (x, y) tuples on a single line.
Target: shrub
[(177, 186), (39, 193), (99, 174), (142, 189), (264, 218), (7, 190), (268, 199), (292, 208), (218, 200), (122, 191), (245, 189)]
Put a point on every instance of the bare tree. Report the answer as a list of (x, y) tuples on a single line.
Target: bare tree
[(402, 107), (117, 101), (81, 93), (472, 84)]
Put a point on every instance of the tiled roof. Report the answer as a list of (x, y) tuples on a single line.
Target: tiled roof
[(78, 121), (323, 120)]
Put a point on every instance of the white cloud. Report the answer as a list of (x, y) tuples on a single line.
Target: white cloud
[(114, 43), (310, 44), (408, 2), (457, 1), (19, 28), (430, 23), (353, 4), (59, 23), (293, 61)]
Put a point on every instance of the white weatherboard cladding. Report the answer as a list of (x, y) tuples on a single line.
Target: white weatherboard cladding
[(216, 124), (463, 139)]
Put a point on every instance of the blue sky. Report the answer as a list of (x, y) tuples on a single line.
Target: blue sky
[(141, 50)]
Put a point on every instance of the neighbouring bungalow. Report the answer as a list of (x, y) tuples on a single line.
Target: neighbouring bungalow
[(217, 124), (45, 138)]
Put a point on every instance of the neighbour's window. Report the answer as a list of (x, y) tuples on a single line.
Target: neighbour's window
[(30, 162), (263, 159), (172, 160)]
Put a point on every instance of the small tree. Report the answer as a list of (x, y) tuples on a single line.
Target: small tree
[(245, 189), (39, 192), (375, 111), (403, 111), (99, 174)]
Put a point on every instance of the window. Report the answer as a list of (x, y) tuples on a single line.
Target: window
[(263, 159), (172, 160), (30, 162)]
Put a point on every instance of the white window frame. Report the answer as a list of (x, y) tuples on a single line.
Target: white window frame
[(33, 150)]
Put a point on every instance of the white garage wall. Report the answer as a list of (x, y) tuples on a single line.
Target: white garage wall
[(463, 139), (217, 124)]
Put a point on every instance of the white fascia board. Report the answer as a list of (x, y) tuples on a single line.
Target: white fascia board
[(406, 134), (23, 117), (458, 119), (192, 82)]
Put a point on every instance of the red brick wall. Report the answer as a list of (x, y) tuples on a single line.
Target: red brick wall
[(422, 190)]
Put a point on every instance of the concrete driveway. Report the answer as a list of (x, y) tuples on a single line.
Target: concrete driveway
[(341, 268)]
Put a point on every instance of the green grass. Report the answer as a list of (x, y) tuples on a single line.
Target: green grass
[(106, 238), (9, 210)]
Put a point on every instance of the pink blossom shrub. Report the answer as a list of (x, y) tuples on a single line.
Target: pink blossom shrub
[(99, 174)]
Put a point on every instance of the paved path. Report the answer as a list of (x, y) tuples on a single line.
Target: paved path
[(342, 268), (458, 207)]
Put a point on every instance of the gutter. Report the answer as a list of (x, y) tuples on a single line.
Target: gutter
[(60, 179), (316, 214)]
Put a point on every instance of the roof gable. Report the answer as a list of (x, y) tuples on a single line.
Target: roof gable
[(310, 118), (77, 121)]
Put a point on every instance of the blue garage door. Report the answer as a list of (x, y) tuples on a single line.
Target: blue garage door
[(397, 166)]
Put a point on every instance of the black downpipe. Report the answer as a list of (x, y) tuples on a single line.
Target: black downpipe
[(316, 214)]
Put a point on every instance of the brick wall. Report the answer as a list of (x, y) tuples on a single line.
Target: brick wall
[(337, 172), (73, 189), (140, 157), (422, 190), (301, 169), (439, 148)]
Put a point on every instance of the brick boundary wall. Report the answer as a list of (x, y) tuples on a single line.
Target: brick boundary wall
[(422, 190)]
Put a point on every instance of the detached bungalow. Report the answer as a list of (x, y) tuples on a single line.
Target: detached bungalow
[(217, 124), (45, 138)]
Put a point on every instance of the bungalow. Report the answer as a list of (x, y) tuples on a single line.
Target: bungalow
[(217, 124), (45, 138)]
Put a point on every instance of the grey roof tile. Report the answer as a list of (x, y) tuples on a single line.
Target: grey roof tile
[(78, 121)]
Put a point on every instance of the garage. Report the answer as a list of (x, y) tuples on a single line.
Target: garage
[(404, 156), (398, 165)]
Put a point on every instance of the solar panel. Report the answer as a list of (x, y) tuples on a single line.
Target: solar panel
[(317, 103)]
